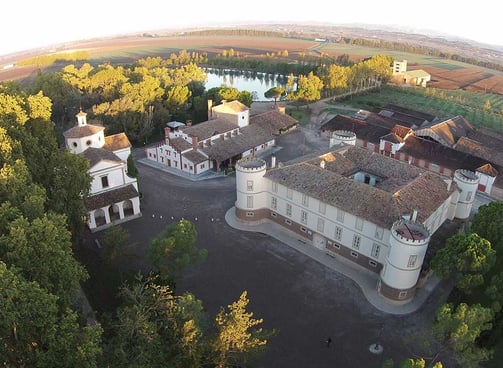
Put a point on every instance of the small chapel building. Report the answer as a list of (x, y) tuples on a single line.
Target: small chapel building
[(113, 197)]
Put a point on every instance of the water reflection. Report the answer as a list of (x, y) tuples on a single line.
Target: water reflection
[(255, 82)]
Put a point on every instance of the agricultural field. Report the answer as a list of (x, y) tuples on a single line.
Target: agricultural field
[(481, 110), (446, 74)]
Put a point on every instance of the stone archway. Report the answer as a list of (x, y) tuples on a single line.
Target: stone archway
[(99, 217), (128, 208), (114, 212)]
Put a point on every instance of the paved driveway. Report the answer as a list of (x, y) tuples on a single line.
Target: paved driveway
[(294, 294)]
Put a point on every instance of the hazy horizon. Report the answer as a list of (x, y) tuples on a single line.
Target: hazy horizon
[(47, 24)]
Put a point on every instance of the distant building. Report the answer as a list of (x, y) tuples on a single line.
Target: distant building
[(227, 136), (375, 211), (439, 145), (113, 197), (413, 77)]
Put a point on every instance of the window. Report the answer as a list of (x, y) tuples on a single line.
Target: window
[(359, 223), (88, 142), (75, 144), (340, 215), (249, 201), (250, 214), (303, 217), (376, 248), (275, 187), (379, 232), (469, 196), (356, 241), (338, 233), (412, 261), (104, 181), (322, 207), (288, 209), (289, 193), (249, 185), (273, 214), (402, 295), (305, 200), (288, 222), (373, 264), (303, 229), (321, 225), (184, 166), (274, 202), (354, 254)]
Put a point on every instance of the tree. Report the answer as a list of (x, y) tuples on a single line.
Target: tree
[(115, 240), (42, 251), (155, 328), (460, 327), (175, 249), (237, 335), (488, 223), (418, 363), (275, 92), (33, 332), (132, 170), (308, 88), (465, 258)]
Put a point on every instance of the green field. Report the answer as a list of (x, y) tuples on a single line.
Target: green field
[(443, 103)]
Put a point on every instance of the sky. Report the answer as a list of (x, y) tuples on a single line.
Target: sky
[(38, 23)]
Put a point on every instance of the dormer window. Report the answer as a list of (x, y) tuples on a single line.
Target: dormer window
[(104, 182)]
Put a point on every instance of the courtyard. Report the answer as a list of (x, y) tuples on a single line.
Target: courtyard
[(302, 299)]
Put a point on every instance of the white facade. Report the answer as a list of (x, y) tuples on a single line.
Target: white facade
[(113, 195), (398, 256), (467, 182)]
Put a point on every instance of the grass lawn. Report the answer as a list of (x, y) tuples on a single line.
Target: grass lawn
[(443, 103)]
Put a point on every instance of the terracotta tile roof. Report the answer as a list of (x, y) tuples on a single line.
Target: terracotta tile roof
[(449, 130), (230, 107), (179, 144), (364, 130), (393, 138), (110, 197), (379, 205), (483, 143), (194, 156), (401, 131), (116, 142), (209, 128), (248, 137), (82, 131), (95, 155), (274, 121), (488, 169)]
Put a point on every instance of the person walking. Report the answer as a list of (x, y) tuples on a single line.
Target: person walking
[(329, 341)]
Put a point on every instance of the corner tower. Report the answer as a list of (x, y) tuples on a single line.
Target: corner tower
[(467, 182), (408, 243), (251, 189)]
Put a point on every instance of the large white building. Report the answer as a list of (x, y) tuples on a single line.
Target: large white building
[(229, 135), (378, 212), (113, 196)]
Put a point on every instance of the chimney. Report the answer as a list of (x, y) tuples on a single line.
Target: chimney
[(449, 183), (414, 216), (195, 142), (322, 164), (167, 130), (273, 162)]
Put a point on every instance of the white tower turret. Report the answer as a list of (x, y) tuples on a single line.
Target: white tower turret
[(408, 243), (345, 137), (251, 191), (83, 135), (467, 182)]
